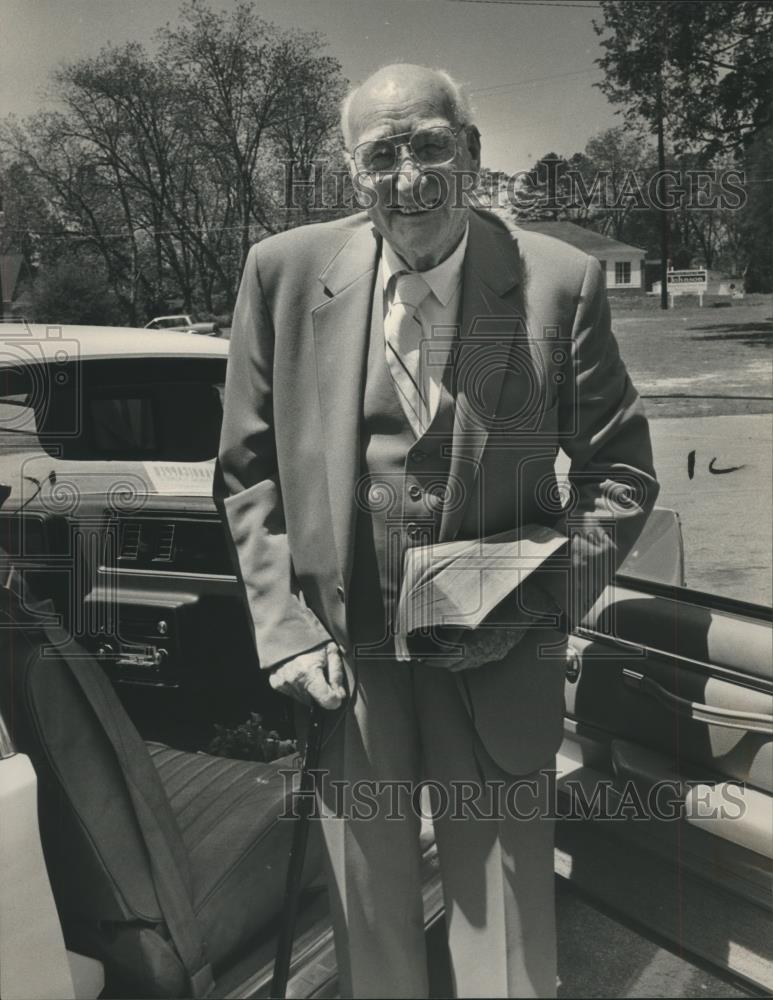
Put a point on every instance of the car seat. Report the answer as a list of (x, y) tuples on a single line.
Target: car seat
[(221, 820)]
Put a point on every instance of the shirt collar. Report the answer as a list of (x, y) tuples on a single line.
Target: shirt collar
[(443, 279)]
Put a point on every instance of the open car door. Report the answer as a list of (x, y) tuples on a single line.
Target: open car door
[(666, 770)]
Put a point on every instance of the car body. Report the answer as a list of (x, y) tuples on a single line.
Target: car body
[(108, 448), (183, 322)]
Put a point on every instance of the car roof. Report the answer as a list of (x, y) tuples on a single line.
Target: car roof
[(22, 343)]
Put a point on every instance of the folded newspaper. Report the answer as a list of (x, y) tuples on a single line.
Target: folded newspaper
[(461, 582)]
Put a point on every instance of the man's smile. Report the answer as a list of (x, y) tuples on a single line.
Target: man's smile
[(415, 210)]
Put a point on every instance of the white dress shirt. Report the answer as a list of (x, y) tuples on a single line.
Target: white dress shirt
[(438, 313)]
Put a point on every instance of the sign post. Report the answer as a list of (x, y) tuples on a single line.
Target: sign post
[(688, 283)]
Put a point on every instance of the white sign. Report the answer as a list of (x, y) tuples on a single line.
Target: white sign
[(688, 283)]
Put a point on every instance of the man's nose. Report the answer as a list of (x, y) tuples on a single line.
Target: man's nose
[(406, 164), (409, 173)]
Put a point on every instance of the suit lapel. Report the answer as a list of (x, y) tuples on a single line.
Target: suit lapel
[(341, 330), (490, 322)]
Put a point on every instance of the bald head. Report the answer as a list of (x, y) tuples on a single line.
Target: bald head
[(405, 85), (413, 195)]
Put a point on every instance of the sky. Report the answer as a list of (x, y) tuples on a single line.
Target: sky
[(528, 65)]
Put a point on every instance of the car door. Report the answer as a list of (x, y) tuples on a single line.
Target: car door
[(665, 775)]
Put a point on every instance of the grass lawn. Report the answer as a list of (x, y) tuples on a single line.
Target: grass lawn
[(708, 352)]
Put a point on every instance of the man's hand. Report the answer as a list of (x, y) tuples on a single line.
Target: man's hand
[(317, 675), (479, 646), (508, 623)]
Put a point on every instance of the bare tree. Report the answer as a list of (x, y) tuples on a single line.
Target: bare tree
[(170, 165)]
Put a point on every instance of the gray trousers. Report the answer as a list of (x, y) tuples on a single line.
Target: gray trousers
[(407, 724)]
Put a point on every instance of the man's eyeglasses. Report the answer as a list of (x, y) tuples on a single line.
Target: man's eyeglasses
[(430, 147)]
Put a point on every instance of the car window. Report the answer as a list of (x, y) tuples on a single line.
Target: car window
[(154, 424), (171, 322), (17, 417), (123, 424)]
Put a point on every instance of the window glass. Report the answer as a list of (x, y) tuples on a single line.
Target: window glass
[(170, 322), (17, 420), (152, 424), (123, 425), (622, 272)]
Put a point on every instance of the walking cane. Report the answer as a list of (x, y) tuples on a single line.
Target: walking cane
[(310, 764)]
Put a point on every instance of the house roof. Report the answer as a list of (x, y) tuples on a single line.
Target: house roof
[(578, 236)]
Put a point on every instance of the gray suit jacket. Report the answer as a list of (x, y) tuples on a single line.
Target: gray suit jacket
[(537, 368)]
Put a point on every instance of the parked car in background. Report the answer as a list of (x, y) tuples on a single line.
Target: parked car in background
[(185, 323), (107, 446)]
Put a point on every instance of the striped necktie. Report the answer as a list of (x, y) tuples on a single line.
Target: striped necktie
[(404, 333)]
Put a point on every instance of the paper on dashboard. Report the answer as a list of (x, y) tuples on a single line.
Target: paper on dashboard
[(461, 582), (183, 479)]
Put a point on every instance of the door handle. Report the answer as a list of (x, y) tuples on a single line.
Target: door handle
[(752, 722), (573, 663)]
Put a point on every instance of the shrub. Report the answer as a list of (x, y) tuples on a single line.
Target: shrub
[(73, 291), (250, 741)]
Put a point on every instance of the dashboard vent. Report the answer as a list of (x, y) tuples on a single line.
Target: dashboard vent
[(165, 544), (131, 533), (184, 545)]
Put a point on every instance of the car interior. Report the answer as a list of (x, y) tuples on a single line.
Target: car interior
[(177, 675), (126, 652), (218, 819)]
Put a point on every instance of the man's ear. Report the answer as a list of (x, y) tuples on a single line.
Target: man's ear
[(472, 137)]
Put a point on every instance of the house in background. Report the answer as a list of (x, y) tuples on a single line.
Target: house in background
[(623, 265)]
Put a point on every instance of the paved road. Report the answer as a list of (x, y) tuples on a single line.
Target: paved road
[(599, 957), (706, 376), (727, 519)]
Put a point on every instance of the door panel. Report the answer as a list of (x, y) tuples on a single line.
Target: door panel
[(672, 694), (604, 698)]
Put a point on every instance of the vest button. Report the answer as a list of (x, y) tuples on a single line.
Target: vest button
[(418, 455), (414, 492), (340, 592), (435, 500), (412, 529)]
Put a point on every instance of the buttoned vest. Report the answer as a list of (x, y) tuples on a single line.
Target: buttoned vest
[(398, 495)]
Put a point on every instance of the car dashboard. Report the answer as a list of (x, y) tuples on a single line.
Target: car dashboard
[(148, 589)]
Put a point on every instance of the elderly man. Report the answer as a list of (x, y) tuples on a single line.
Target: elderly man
[(402, 377)]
